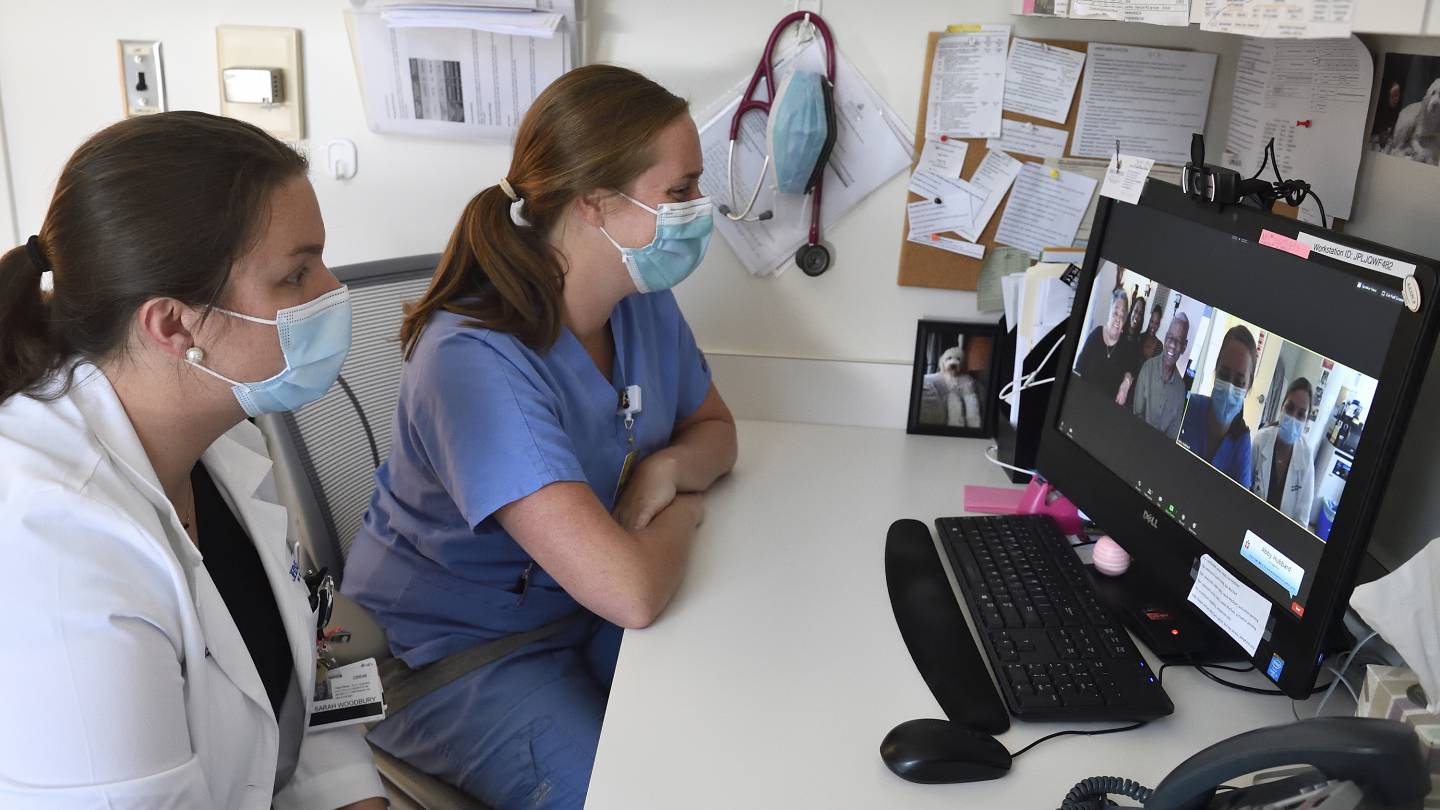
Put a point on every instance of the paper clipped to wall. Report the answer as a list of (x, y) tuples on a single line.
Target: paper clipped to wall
[(1312, 97), (1151, 100), (967, 82), (458, 82)]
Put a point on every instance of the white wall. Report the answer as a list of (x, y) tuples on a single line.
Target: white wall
[(58, 81)]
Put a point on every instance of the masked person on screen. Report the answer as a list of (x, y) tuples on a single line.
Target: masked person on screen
[(1214, 426), (1284, 475), (555, 428)]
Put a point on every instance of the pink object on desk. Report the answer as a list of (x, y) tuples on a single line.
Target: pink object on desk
[(1109, 558), (1039, 498)]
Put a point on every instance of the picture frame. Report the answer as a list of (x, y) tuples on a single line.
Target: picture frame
[(954, 379)]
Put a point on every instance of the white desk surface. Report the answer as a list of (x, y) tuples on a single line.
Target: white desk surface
[(772, 677)]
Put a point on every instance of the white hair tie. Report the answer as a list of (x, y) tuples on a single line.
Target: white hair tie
[(515, 203)]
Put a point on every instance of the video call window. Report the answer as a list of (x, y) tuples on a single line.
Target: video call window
[(1278, 419)]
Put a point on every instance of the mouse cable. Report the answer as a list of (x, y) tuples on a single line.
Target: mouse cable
[(1079, 732)]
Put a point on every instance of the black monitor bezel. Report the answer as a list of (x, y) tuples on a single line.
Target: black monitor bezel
[(1168, 553)]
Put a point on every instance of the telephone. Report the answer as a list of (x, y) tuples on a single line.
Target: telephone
[(1354, 762)]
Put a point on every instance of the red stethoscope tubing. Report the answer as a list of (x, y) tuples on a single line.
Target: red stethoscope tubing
[(763, 70)]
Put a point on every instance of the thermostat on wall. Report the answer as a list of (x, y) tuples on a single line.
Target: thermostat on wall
[(254, 85)]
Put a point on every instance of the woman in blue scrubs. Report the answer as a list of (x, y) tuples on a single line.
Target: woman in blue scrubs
[(555, 429), (1214, 427)]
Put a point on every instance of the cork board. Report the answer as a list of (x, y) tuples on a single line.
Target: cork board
[(922, 266)]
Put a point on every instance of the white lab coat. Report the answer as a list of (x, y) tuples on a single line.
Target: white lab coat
[(126, 683), (1299, 479)]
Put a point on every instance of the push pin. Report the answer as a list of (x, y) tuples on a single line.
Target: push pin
[(1118, 167), (1055, 174), (1305, 124), (939, 201), (944, 138)]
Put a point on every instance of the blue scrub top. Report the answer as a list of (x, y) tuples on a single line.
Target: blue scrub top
[(1232, 457), (482, 422)]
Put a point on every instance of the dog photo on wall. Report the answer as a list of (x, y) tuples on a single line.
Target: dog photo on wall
[(953, 384), (1407, 109)]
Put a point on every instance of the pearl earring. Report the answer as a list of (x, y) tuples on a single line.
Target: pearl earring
[(195, 355)]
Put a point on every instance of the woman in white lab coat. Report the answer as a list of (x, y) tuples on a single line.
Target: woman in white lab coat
[(157, 642), (1284, 474)]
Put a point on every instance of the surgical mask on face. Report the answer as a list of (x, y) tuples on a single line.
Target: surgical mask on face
[(1289, 429), (314, 337), (1226, 400), (682, 232)]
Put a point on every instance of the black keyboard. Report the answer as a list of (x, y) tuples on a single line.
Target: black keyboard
[(1056, 651)]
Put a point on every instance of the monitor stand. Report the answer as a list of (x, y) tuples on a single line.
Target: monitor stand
[(1168, 625)]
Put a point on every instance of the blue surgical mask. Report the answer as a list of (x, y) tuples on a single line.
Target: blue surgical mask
[(800, 130), (1226, 400), (314, 337), (1289, 428), (682, 232)]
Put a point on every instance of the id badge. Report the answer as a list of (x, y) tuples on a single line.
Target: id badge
[(625, 470)]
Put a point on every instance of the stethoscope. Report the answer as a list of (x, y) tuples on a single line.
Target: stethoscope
[(812, 257)]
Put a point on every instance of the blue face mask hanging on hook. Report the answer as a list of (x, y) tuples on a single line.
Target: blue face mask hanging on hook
[(801, 131)]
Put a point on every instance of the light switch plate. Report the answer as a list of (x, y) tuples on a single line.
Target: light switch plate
[(243, 46), (142, 77)]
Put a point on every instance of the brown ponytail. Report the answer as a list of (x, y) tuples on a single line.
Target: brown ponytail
[(590, 129), (159, 206)]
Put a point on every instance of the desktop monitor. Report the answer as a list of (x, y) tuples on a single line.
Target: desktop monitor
[(1238, 385)]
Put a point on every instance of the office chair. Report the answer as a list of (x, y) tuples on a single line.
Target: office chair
[(325, 459)]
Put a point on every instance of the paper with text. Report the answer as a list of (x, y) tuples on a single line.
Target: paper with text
[(1285, 19), (945, 158), (1312, 97), (452, 82), (993, 177), (1040, 79), (1125, 178), (1149, 99), (1045, 209), (1025, 138), (967, 83), (1240, 610), (959, 246), (927, 216)]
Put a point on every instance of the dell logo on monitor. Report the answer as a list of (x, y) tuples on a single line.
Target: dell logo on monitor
[(1151, 519)]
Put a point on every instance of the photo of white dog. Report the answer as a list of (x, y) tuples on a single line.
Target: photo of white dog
[(1417, 130), (949, 396), (1406, 122)]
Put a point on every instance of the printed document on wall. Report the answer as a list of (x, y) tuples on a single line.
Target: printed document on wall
[(967, 83), (1151, 100), (1312, 97), (451, 82), (1154, 12), (872, 145), (1040, 79), (1045, 209), (1282, 19)]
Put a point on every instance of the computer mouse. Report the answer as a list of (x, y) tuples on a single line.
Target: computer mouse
[(937, 752)]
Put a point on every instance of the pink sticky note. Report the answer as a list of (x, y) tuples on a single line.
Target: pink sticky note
[(1285, 243)]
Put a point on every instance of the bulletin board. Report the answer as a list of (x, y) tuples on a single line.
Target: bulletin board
[(924, 266)]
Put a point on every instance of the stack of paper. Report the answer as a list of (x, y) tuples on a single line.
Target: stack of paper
[(516, 22), (453, 69), (1035, 303)]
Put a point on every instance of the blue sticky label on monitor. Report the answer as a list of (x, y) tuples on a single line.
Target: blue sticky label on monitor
[(1272, 563), (1277, 666)]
